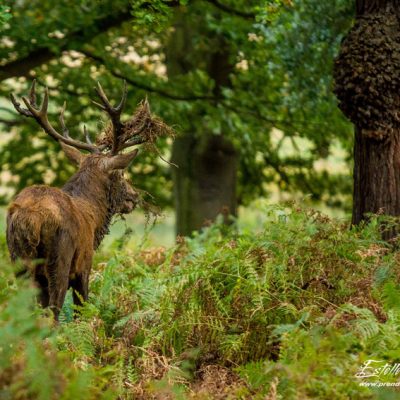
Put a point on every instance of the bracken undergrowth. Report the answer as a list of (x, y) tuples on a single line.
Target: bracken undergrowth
[(292, 311)]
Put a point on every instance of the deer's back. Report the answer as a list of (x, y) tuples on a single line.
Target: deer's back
[(37, 215)]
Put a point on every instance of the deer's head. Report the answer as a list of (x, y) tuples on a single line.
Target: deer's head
[(105, 161)]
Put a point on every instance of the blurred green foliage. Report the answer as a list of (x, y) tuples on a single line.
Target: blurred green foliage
[(294, 310), (281, 53), (4, 14)]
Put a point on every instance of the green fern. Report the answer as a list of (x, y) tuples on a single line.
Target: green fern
[(391, 296)]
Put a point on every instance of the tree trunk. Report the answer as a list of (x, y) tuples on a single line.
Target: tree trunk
[(376, 176), (367, 84), (205, 182)]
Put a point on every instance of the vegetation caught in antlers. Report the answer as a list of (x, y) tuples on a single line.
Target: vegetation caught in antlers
[(142, 128)]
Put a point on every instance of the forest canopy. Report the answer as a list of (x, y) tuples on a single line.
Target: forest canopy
[(250, 78)]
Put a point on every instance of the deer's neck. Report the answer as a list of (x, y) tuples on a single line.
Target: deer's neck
[(94, 189)]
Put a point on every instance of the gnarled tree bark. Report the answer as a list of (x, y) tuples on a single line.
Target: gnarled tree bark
[(367, 84)]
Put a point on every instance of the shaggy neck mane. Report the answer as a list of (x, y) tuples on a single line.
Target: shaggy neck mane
[(96, 188)]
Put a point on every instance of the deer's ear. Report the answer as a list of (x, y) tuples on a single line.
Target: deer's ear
[(120, 161), (73, 154)]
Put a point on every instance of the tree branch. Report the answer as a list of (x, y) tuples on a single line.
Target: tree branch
[(184, 97), (42, 55), (227, 9), (143, 86)]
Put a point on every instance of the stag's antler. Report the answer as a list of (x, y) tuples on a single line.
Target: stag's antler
[(40, 115), (114, 113), (124, 134), (119, 140)]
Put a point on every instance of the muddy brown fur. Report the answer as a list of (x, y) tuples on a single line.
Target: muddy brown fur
[(61, 228)]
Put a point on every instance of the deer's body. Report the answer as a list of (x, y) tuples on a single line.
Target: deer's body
[(39, 213), (61, 228), (54, 232)]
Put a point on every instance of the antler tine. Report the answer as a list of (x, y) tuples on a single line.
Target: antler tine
[(114, 113), (87, 135), (106, 106), (32, 93), (65, 130), (32, 101), (134, 141), (121, 104), (18, 107), (40, 115), (103, 96), (45, 103)]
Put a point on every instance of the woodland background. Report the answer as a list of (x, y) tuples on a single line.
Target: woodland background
[(247, 87), (283, 303)]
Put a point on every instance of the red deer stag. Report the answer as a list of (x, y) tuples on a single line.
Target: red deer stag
[(55, 231)]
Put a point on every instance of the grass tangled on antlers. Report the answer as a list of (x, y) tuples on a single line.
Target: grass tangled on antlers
[(143, 126), (147, 128)]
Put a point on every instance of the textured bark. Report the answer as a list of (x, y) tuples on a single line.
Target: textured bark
[(370, 6), (367, 71), (367, 84), (376, 176)]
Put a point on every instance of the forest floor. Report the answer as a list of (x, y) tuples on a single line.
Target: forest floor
[(292, 309)]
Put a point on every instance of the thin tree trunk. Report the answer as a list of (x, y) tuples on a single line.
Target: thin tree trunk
[(205, 182)]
